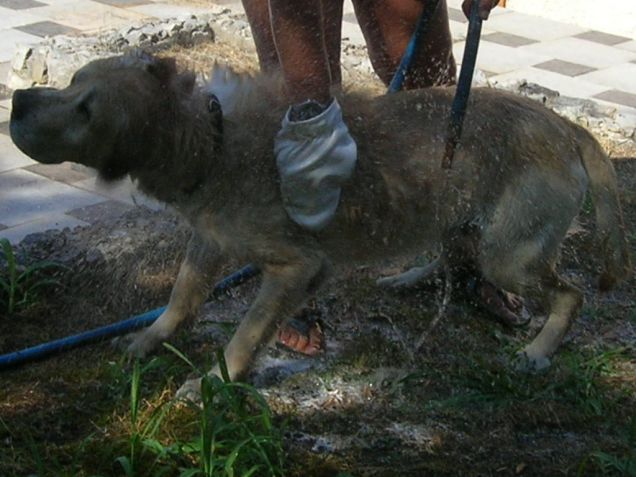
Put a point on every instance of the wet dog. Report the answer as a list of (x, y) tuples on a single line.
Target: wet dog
[(518, 180)]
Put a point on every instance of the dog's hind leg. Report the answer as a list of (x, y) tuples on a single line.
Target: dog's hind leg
[(537, 279), (284, 288), (412, 276), (188, 293), (518, 252), (563, 301)]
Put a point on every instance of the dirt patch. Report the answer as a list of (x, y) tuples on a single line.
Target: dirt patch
[(369, 405)]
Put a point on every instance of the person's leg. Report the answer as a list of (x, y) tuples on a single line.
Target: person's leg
[(314, 141), (299, 39), (260, 21), (257, 12), (302, 40), (387, 26)]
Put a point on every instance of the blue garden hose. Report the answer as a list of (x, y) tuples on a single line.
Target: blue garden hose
[(454, 131), (36, 352)]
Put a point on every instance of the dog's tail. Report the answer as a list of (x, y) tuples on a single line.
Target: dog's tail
[(609, 216)]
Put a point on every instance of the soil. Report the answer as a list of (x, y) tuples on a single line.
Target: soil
[(370, 405)]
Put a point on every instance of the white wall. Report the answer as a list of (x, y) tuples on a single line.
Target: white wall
[(611, 16)]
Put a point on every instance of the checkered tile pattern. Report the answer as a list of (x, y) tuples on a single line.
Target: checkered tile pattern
[(576, 61)]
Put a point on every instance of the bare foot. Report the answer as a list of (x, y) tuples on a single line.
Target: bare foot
[(302, 336), (507, 307)]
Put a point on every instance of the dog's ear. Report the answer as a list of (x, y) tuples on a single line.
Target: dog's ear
[(164, 69), (185, 82)]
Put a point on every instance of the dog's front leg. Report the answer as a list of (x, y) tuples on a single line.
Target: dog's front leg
[(188, 293), (283, 290)]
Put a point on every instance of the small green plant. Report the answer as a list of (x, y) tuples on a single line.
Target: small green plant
[(612, 464), (19, 284), (236, 433), (143, 435), (236, 436)]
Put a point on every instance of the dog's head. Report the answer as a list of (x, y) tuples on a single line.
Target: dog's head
[(111, 108)]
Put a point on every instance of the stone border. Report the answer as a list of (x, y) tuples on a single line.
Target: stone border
[(53, 62)]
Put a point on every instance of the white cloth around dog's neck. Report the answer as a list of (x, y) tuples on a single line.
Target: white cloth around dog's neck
[(314, 159)]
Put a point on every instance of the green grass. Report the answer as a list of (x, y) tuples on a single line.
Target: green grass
[(236, 435), (578, 381), (21, 284), (611, 463)]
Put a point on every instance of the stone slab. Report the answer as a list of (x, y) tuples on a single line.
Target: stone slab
[(164, 10), (501, 59), (47, 28), (602, 37), (11, 38), (629, 46), (20, 4), (123, 3), (27, 197), (89, 16), (618, 97), (456, 15), (582, 52), (565, 85), (507, 39), (11, 18), (65, 172), (353, 33), (528, 26), (10, 156), (621, 77), (564, 67)]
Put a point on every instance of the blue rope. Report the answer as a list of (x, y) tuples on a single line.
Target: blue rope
[(460, 101), (411, 49), (136, 322)]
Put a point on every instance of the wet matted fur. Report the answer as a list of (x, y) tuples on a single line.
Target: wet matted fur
[(518, 180)]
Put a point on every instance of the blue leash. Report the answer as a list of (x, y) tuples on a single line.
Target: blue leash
[(458, 112), (460, 101), (411, 49)]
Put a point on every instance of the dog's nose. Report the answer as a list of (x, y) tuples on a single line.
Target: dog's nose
[(19, 104), (23, 100)]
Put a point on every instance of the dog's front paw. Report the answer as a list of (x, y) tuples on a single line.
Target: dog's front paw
[(190, 391), (528, 362), (140, 344)]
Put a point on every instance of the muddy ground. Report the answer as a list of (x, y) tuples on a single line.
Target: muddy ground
[(369, 406)]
